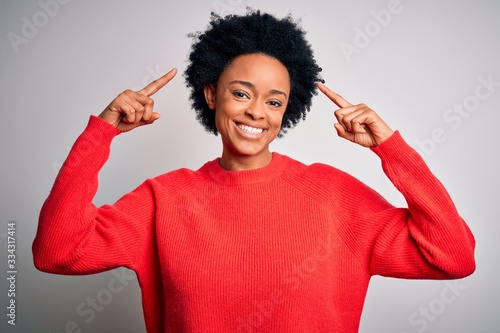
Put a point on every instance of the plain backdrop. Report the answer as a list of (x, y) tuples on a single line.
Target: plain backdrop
[(429, 68)]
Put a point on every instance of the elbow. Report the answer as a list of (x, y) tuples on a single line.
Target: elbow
[(41, 264), (51, 265), (468, 267), (41, 259), (47, 260), (461, 260), (466, 261), (461, 267), (462, 272)]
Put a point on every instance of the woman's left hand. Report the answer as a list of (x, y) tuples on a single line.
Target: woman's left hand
[(357, 123)]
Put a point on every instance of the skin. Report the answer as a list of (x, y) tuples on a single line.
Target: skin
[(132, 109), (253, 91), (357, 123)]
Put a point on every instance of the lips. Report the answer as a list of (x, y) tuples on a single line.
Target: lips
[(250, 129)]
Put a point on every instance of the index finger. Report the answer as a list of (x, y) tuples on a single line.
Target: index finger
[(333, 96), (157, 84)]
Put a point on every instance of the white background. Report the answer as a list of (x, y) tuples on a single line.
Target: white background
[(64, 61)]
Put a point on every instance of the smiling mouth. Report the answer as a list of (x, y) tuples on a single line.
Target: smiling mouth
[(249, 129)]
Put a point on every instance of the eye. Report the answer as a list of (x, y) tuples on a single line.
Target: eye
[(240, 94), (276, 104)]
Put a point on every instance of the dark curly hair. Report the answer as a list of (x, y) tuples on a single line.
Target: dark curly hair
[(231, 36)]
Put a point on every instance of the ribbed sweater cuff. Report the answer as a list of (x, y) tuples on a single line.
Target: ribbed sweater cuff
[(108, 130), (90, 150), (395, 149)]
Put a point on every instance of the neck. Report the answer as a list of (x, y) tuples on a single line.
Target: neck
[(233, 162)]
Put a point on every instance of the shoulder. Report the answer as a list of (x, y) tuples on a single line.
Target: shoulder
[(333, 186), (320, 178), (322, 173), (180, 180), (294, 166)]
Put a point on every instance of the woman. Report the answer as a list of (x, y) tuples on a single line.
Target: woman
[(253, 240)]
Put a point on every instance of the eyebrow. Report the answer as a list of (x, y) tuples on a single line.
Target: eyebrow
[(251, 85)]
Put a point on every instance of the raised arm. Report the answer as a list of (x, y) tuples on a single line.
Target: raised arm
[(426, 240), (76, 237)]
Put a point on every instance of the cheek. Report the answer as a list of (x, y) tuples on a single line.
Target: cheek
[(277, 118), (228, 107)]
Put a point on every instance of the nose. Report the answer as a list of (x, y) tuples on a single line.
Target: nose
[(255, 110)]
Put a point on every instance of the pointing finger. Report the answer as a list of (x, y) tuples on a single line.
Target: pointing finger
[(157, 84), (333, 96)]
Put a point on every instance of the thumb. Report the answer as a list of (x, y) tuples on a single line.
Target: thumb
[(154, 117), (342, 132), (125, 126)]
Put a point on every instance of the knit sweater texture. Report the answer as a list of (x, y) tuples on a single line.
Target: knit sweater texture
[(285, 248)]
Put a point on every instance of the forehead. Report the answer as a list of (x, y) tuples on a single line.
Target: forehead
[(257, 68)]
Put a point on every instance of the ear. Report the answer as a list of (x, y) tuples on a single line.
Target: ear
[(210, 92)]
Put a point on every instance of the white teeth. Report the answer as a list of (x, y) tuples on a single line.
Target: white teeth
[(251, 130)]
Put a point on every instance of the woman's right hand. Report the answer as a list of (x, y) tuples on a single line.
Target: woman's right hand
[(131, 109)]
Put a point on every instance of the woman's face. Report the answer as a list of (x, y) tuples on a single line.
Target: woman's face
[(249, 101)]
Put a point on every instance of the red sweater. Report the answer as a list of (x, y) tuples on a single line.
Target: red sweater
[(285, 248)]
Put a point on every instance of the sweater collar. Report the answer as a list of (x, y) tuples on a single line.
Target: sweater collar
[(230, 178)]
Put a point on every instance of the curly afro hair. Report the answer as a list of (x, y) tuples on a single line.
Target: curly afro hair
[(231, 36)]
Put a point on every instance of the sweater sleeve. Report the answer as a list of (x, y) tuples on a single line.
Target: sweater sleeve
[(426, 240), (73, 235)]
